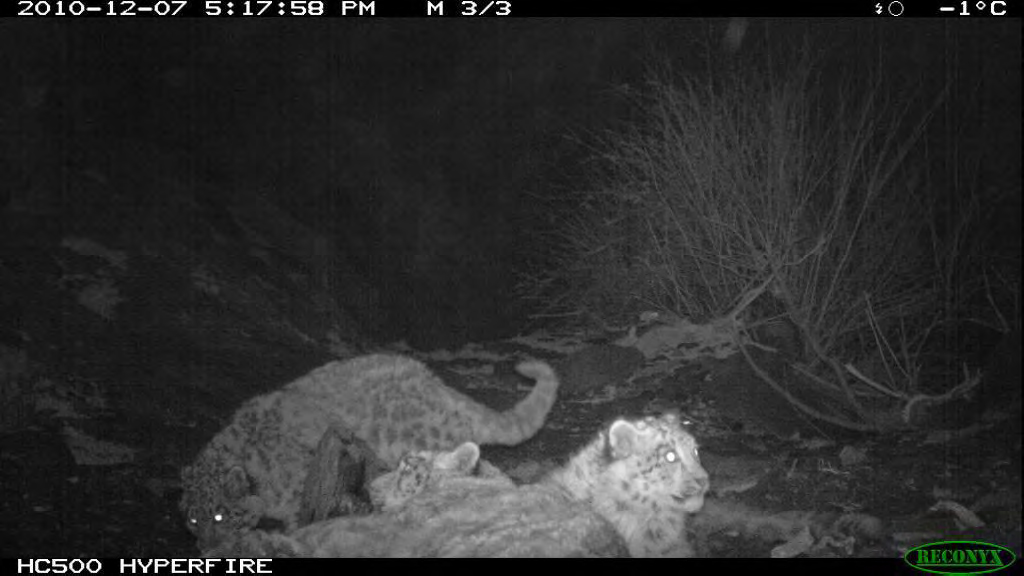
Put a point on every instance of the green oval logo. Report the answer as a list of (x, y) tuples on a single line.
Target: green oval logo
[(959, 557)]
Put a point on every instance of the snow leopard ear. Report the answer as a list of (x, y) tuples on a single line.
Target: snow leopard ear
[(622, 438), (462, 459), (236, 484)]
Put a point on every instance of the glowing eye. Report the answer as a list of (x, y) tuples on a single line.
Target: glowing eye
[(670, 456), (218, 517), (193, 522)]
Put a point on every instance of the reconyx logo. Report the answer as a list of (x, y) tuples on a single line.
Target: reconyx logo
[(959, 557)]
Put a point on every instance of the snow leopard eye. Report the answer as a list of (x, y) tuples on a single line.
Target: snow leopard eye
[(671, 456), (219, 516)]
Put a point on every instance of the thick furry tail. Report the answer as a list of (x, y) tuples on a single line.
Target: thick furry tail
[(527, 417)]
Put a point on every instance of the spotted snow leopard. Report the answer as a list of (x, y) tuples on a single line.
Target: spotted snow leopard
[(253, 470), (627, 493)]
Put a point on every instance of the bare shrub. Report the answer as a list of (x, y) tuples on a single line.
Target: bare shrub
[(770, 191)]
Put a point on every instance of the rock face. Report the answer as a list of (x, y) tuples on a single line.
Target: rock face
[(145, 270), (342, 468)]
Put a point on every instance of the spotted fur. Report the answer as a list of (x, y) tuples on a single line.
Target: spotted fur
[(253, 471), (418, 471), (644, 477), (637, 489)]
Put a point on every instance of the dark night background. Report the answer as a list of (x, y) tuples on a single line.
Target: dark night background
[(412, 150)]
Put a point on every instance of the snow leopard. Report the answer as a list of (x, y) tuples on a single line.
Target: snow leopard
[(623, 475), (252, 472), (627, 493), (420, 469), (645, 478)]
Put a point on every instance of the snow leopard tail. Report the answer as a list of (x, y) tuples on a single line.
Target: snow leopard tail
[(527, 417)]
